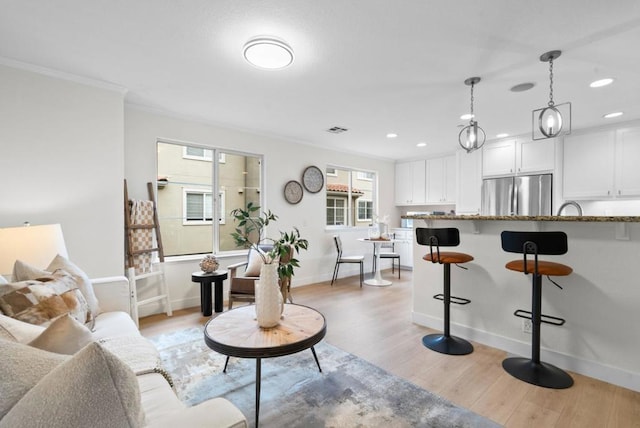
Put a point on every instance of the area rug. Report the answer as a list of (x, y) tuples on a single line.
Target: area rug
[(350, 392)]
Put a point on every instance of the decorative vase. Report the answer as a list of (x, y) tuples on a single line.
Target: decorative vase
[(209, 264), (269, 303)]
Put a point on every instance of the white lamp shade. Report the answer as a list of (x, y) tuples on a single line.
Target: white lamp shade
[(35, 245)]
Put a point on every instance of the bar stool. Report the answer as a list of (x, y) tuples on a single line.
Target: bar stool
[(445, 237), (532, 370)]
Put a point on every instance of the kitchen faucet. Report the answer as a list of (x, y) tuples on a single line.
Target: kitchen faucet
[(574, 203)]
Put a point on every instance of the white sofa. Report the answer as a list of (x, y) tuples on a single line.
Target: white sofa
[(160, 405)]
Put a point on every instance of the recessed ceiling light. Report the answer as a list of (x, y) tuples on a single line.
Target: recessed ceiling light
[(421, 144), (522, 87), (391, 135), (600, 83), (612, 115), (466, 116), (268, 53), (502, 135)]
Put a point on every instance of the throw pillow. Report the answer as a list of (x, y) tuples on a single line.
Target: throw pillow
[(65, 335), (22, 367), (39, 302), (91, 389), (23, 271), (20, 331), (255, 262)]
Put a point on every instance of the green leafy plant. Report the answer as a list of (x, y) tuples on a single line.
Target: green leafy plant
[(249, 234)]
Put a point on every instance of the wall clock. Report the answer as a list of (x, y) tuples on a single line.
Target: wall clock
[(312, 179), (293, 192)]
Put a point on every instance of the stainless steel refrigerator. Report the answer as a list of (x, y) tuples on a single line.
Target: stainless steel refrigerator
[(529, 195)]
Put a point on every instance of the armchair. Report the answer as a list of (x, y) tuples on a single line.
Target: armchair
[(243, 275)]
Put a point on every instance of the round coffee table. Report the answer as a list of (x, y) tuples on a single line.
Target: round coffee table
[(236, 334)]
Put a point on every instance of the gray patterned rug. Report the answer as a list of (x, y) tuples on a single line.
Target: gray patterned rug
[(349, 392)]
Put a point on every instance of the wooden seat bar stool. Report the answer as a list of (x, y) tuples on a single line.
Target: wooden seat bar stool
[(532, 370), (436, 238)]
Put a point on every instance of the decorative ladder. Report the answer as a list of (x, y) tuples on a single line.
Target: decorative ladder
[(156, 269)]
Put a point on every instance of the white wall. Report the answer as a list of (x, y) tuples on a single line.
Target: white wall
[(284, 161), (62, 161)]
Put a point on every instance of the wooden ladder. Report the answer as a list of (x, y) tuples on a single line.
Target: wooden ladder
[(157, 269)]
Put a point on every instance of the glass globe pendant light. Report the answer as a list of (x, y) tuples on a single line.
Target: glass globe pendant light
[(550, 121), (471, 137)]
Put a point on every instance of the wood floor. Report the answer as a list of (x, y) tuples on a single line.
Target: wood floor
[(375, 324)]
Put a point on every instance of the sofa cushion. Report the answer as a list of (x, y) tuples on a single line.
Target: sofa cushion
[(91, 389), (20, 331), (23, 271), (114, 324), (39, 302), (21, 369), (65, 335)]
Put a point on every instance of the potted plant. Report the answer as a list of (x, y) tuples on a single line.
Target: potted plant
[(249, 234)]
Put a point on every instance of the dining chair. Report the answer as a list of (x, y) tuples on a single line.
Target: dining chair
[(346, 259), (388, 254)]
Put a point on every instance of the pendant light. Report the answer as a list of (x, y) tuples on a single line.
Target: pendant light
[(471, 137), (550, 121)]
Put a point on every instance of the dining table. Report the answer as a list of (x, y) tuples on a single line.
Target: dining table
[(377, 280)]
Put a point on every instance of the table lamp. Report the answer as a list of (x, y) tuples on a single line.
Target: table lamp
[(35, 245)]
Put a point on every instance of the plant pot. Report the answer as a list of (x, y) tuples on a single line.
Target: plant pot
[(269, 303)]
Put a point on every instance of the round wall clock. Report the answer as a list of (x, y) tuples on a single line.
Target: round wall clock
[(293, 192), (312, 179)]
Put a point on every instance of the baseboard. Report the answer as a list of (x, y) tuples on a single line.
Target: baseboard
[(613, 375)]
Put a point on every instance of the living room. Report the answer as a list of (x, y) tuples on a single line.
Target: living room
[(69, 139)]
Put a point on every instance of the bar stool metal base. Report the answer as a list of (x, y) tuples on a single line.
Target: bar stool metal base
[(449, 345), (540, 374)]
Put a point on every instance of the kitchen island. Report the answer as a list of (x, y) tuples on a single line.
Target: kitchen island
[(599, 300)]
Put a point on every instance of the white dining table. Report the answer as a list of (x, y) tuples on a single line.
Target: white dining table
[(377, 280)]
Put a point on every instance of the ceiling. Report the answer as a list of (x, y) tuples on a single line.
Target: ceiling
[(371, 66)]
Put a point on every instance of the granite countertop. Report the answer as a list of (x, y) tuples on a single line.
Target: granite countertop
[(585, 218)]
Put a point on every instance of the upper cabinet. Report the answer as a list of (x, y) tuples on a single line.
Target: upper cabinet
[(469, 182), (518, 156), (441, 180), (410, 186), (602, 165)]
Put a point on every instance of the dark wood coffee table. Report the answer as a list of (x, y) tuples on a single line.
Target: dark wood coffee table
[(236, 334)]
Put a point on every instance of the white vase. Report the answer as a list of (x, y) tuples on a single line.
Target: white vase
[(269, 304)]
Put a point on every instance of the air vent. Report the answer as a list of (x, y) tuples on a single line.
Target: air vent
[(337, 130)]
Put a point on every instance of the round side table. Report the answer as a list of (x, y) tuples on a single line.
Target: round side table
[(206, 279)]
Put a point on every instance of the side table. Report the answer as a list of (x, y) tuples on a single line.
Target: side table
[(206, 279)]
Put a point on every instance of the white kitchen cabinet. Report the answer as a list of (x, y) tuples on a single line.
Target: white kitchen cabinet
[(627, 165), (602, 165), (535, 156), (441, 180), (518, 156), (469, 182), (588, 165), (410, 186), (405, 246), (499, 158)]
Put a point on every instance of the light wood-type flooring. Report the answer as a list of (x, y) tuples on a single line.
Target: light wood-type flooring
[(375, 324)]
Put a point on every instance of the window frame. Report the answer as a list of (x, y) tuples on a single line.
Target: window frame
[(370, 208), (352, 174), (190, 191)]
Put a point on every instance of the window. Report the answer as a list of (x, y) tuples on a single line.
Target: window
[(197, 207), (336, 211), (365, 210), (351, 196), (195, 197)]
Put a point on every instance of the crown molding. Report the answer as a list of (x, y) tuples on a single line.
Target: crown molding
[(63, 75)]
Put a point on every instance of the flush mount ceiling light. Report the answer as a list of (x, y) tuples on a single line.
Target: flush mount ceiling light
[(612, 115), (502, 135), (600, 83), (268, 53), (421, 144), (392, 135), (550, 121), (471, 137), (466, 116)]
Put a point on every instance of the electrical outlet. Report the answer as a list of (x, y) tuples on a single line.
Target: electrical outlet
[(527, 326)]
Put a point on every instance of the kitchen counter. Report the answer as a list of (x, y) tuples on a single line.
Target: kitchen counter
[(584, 218), (599, 299)]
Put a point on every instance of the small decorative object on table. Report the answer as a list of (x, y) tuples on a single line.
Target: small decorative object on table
[(209, 264)]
